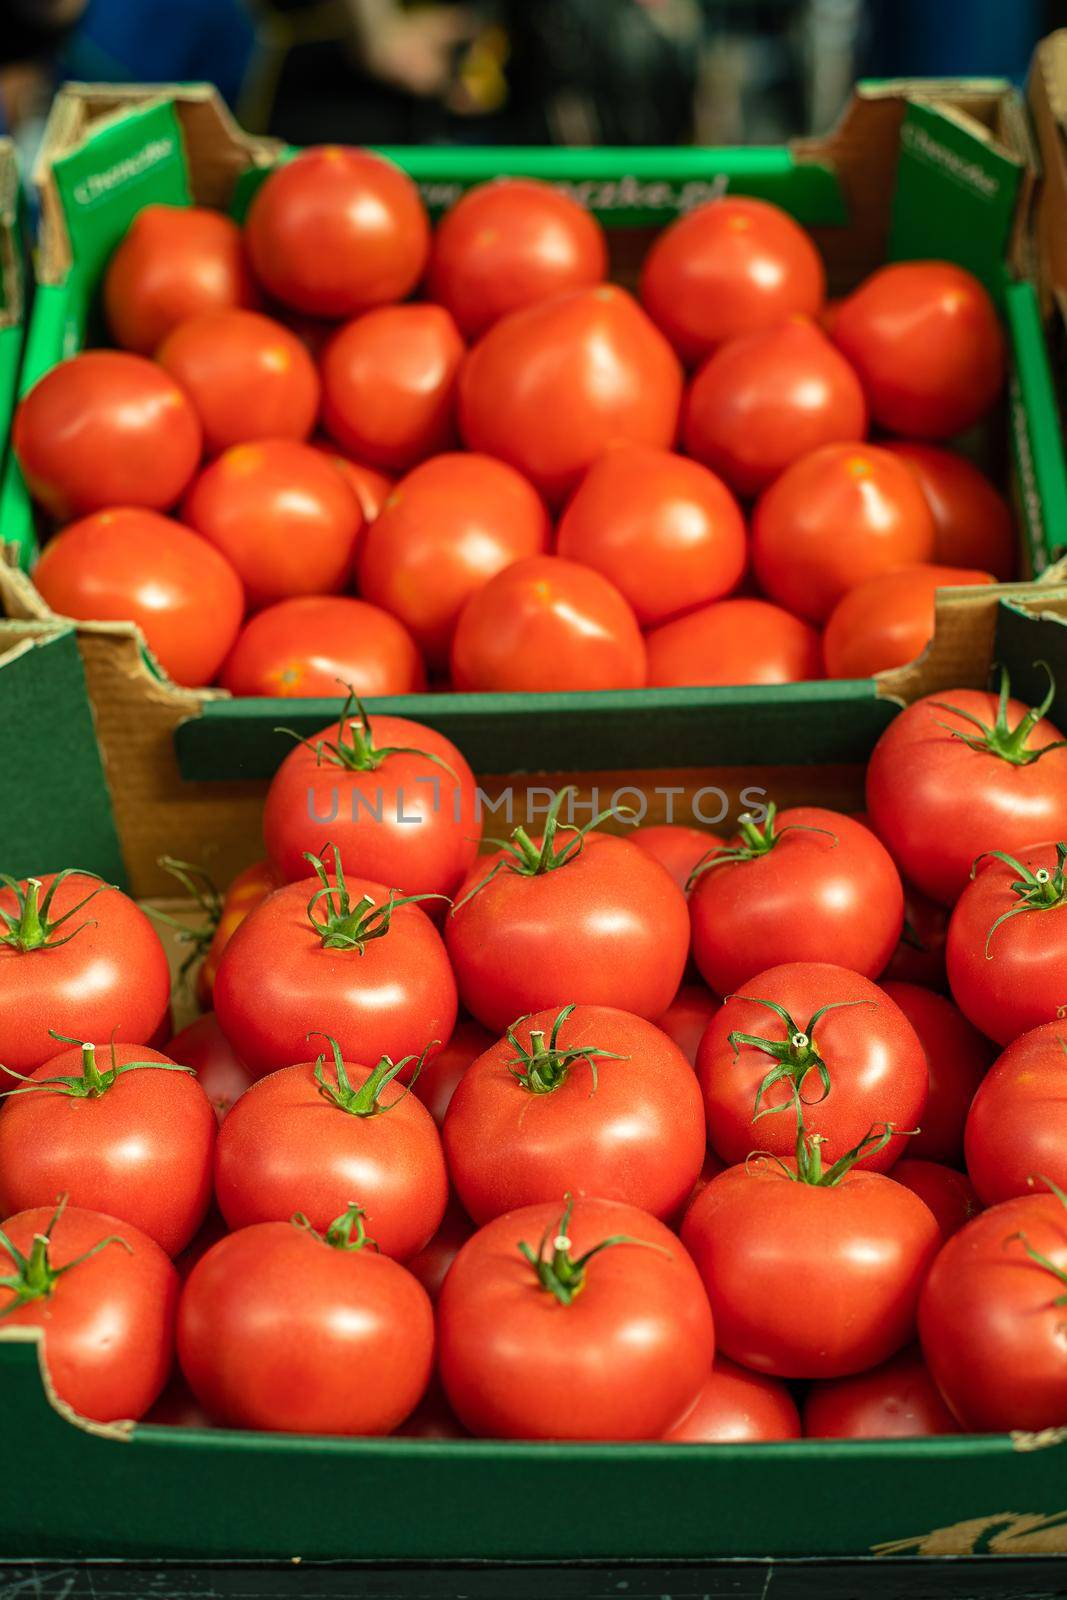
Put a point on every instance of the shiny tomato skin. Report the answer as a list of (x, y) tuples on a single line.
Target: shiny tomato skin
[(110, 980), (370, 487), (247, 375), (634, 1133), (887, 621), (686, 1018), (311, 644), (732, 266), (547, 624), (957, 1059), (973, 523), (345, 1335), (336, 231), (898, 1400), (875, 1061), (607, 928), (826, 891), (434, 1259), (1017, 1124), (507, 244), (667, 532), (105, 428), (762, 401), (109, 1322), (550, 388), (675, 846), (625, 1360), (842, 514), (736, 1406), (861, 1250), (949, 1194), (172, 263), (925, 340), (920, 769), (141, 1151), (130, 565), (220, 1072), (437, 1082), (251, 885), (442, 533), (733, 642), (282, 514)]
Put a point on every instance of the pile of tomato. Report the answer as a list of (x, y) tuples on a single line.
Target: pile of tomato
[(291, 472), (599, 1135)]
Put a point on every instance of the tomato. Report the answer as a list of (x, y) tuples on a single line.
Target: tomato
[(312, 643), (687, 1017), (221, 1073), (807, 885), (282, 514), (129, 1134), (105, 1296), (957, 1059), (601, 1331), (295, 1331), (213, 1229), (973, 523), (574, 916), (920, 955), (888, 621), (247, 376), (762, 401), (959, 774), (436, 1083), (435, 1258), (177, 1408), (547, 624), (814, 1035), (443, 532), (859, 1244), (584, 1098), (925, 340), (898, 1400), (842, 514), (105, 429), (76, 956), (738, 1407), (128, 565), (244, 891), (432, 1418), (551, 387), (949, 1194), (1016, 1125), (991, 1318), (371, 488), (366, 968), (396, 799), (732, 266), (733, 642), (336, 231), (676, 847), (173, 262)]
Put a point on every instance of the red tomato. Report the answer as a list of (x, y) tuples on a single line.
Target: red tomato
[(601, 1331), (443, 532), (246, 890), (938, 800), (667, 532), (222, 1074), (732, 266), (213, 1230), (434, 1259), (336, 231), (105, 429), (75, 955), (312, 643), (687, 1017), (973, 523), (174, 262), (676, 847), (570, 917), (991, 1318), (371, 488), (807, 885), (388, 385), (508, 244), (247, 376), (761, 402), (925, 340), (105, 1296), (289, 1330), (859, 1244), (733, 642), (813, 1035), (898, 1400), (432, 1418), (835, 517), (436, 1083), (547, 624), (368, 969), (738, 1407), (920, 955), (130, 1134), (949, 1194), (395, 798), (888, 621), (128, 565), (550, 388), (957, 1059), (282, 514), (1018, 1119), (584, 1098)]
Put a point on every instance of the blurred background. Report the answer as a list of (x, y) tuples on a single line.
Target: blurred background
[(512, 71)]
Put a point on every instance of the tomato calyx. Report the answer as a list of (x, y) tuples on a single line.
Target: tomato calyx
[(92, 1084), (339, 1234), (530, 860), (347, 926), (31, 927), (755, 841), (34, 1277), (201, 887), (359, 753), (1040, 890), (541, 1067), (1008, 744), (1059, 1273), (558, 1272), (795, 1056), (808, 1162), (364, 1101)]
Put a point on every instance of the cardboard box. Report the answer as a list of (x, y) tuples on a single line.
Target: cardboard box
[(12, 290)]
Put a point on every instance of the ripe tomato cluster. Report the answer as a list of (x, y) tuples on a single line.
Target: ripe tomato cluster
[(527, 477), (587, 1137)]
